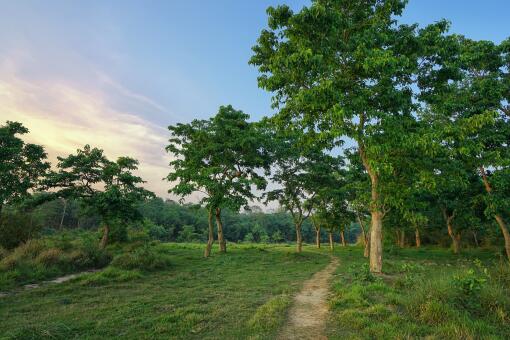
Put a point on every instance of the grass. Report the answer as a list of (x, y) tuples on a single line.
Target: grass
[(169, 291), (242, 294), (426, 293)]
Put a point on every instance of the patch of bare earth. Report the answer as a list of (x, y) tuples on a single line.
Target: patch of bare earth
[(309, 311)]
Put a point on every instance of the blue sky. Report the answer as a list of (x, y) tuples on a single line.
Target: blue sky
[(116, 73)]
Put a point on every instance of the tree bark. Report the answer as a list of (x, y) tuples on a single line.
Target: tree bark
[(499, 219), (402, 241), (299, 238), (210, 240), (454, 236), (342, 237), (375, 211), (331, 245), (417, 237), (63, 214), (366, 240), (476, 239), (106, 234), (318, 237), (221, 238)]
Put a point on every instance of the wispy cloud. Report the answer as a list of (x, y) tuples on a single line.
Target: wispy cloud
[(63, 117)]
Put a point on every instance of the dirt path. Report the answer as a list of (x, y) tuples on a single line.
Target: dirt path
[(57, 280), (308, 314)]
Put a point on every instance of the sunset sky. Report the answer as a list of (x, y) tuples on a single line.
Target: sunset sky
[(115, 74)]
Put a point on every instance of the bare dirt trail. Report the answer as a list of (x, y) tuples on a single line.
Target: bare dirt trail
[(308, 313)]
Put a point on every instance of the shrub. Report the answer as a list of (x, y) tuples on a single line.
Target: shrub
[(362, 273), (52, 256), (16, 228), (143, 258)]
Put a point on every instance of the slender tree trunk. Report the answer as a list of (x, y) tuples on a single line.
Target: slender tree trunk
[(299, 238), (402, 242), (221, 238), (342, 237), (366, 252), (106, 235), (63, 214), (499, 219), (331, 245), (366, 238), (417, 237), (455, 238), (210, 240), (476, 239), (375, 209), (318, 237)]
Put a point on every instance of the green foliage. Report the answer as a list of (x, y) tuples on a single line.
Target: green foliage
[(16, 228), (361, 274), (108, 189), (22, 165)]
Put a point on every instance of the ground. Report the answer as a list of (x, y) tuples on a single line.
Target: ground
[(256, 292)]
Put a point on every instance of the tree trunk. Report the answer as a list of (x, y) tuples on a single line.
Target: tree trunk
[(402, 242), (417, 237), (342, 237), (366, 252), (210, 240), (366, 241), (476, 239), (331, 245), (376, 242), (63, 214), (221, 238), (104, 239), (454, 236), (318, 237), (299, 238), (499, 219), (506, 234)]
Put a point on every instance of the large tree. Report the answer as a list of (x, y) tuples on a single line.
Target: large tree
[(220, 159), (22, 165), (465, 87), (106, 188), (341, 68)]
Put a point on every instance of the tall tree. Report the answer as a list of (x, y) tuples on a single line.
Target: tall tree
[(344, 69), (465, 85), (220, 158), (108, 189), (22, 165)]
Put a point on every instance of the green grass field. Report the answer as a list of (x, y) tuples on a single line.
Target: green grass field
[(239, 295), (245, 294)]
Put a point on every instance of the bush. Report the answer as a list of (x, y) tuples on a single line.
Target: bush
[(362, 274), (16, 228), (52, 256), (143, 258), (3, 252), (109, 275)]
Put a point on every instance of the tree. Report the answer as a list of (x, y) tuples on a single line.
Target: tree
[(344, 69), (465, 85), (300, 172), (22, 165), (218, 158), (108, 189)]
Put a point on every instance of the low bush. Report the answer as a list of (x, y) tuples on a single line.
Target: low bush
[(144, 258), (52, 256), (109, 275)]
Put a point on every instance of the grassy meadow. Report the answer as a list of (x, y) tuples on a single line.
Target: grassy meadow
[(169, 291)]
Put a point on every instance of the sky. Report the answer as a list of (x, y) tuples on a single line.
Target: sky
[(114, 74)]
